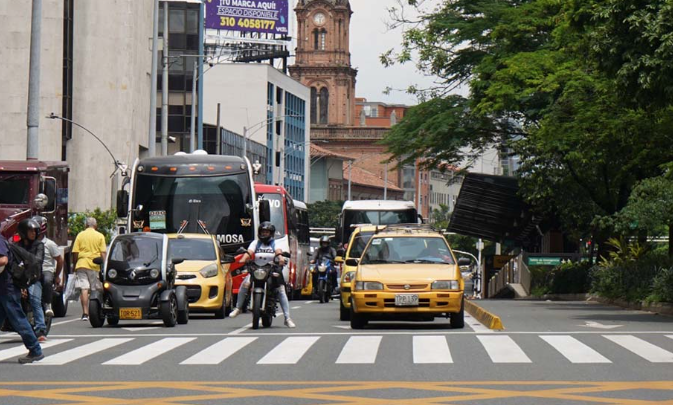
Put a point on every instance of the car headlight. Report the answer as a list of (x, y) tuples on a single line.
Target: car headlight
[(445, 285), (209, 271), (112, 273), (154, 273), (368, 285), (349, 276), (259, 274)]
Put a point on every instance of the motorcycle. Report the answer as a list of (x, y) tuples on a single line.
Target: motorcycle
[(324, 287), (28, 310), (264, 282)]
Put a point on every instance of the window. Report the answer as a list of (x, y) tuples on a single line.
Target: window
[(314, 105), (176, 21), (324, 103), (316, 36), (323, 39)]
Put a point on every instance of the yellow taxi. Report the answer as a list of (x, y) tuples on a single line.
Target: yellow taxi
[(406, 272), (204, 271), (356, 245)]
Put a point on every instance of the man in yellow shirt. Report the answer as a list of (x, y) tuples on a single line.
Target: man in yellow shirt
[(89, 245)]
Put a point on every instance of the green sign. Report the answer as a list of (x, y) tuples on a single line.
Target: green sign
[(544, 261)]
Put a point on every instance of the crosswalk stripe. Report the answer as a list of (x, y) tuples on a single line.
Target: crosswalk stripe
[(360, 350), (220, 351), (83, 351), (574, 350), (431, 350), (146, 353), (502, 349), (21, 350), (289, 351), (646, 350)]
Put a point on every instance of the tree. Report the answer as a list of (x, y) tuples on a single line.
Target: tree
[(324, 214), (440, 217)]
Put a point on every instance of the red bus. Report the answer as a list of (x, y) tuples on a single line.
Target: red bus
[(290, 218)]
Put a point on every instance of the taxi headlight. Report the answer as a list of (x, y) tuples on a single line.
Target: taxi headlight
[(209, 271), (349, 276), (112, 273), (154, 273), (445, 285), (368, 285), (259, 274)]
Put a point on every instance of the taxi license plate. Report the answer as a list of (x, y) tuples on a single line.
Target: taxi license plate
[(406, 300), (130, 313)]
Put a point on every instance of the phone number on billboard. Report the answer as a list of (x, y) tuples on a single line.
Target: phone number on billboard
[(252, 23)]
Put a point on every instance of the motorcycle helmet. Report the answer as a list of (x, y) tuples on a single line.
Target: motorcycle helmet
[(43, 224), (266, 226), (324, 242), (27, 224)]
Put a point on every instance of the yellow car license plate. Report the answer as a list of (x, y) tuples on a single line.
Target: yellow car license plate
[(130, 313), (406, 300)]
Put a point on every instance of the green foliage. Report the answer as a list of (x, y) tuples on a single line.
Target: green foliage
[(568, 278), (324, 214), (662, 287), (469, 244), (106, 221), (623, 252), (650, 207), (440, 217)]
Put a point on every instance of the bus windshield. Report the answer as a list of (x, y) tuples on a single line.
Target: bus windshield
[(277, 213), (221, 204), (381, 217)]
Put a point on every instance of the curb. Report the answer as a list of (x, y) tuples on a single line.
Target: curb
[(657, 308), (488, 319)]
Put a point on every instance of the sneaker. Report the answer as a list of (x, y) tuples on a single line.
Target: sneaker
[(49, 311), (30, 357), (289, 323), (85, 317), (234, 313)]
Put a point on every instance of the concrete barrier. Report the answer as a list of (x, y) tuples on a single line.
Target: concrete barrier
[(488, 319)]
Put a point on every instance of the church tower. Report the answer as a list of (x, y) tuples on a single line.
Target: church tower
[(323, 60)]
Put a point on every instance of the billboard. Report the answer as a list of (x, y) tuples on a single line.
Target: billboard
[(263, 16)]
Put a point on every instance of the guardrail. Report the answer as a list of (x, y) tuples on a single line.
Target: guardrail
[(514, 272)]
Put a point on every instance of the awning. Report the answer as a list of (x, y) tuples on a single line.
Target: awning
[(488, 207)]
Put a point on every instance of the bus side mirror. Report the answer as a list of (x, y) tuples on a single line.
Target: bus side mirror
[(264, 211), (122, 203)]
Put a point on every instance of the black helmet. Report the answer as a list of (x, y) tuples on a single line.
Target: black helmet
[(266, 226), (25, 225), (324, 239), (43, 224)]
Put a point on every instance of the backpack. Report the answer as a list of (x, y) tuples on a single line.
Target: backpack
[(23, 266)]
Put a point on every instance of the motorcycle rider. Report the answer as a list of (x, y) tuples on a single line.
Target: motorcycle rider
[(324, 251), (51, 267), (264, 251), (28, 230)]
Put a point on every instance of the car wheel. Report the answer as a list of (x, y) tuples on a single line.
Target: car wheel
[(358, 321), (169, 311), (112, 321), (221, 312), (96, 317), (458, 319), (344, 313), (183, 316)]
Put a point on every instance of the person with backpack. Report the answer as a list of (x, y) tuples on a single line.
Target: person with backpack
[(263, 249), (28, 230), (10, 305), (51, 267)]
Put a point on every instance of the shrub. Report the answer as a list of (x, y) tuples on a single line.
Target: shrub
[(662, 286), (567, 278), (106, 222)]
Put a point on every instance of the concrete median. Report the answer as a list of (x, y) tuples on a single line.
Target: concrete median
[(488, 319)]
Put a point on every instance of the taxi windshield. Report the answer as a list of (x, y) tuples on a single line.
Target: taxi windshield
[(418, 250), (358, 244), (192, 249)]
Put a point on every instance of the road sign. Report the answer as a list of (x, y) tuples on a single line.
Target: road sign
[(544, 261)]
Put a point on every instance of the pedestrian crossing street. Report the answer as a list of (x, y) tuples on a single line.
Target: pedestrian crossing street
[(353, 350)]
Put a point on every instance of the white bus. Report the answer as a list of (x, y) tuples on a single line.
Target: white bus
[(375, 212)]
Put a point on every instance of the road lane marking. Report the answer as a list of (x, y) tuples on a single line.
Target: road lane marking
[(63, 322), (574, 350), (83, 351), (296, 307), (239, 330), (360, 350), (220, 351), (289, 351), (475, 325), (502, 349), (646, 350), (431, 350), (149, 352), (21, 350)]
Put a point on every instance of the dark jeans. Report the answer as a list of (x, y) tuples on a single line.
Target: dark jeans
[(10, 308), (47, 287)]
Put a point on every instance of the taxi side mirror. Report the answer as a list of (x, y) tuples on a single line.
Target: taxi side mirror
[(177, 260), (339, 259), (464, 261), (227, 259), (352, 262)]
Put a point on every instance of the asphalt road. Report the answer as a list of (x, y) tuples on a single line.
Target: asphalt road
[(562, 352)]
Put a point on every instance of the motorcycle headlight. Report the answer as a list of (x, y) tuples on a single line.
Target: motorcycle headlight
[(322, 268), (349, 276), (209, 271), (368, 285), (155, 273), (259, 274), (112, 273), (445, 285)]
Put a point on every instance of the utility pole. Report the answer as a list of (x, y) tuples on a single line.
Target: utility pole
[(33, 118), (245, 142), (192, 136), (385, 184), (152, 137), (164, 88), (218, 141)]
